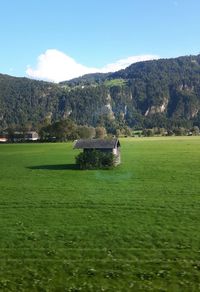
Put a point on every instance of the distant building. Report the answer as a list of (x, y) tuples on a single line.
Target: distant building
[(31, 136), (104, 145), (18, 136), (3, 138), (23, 136)]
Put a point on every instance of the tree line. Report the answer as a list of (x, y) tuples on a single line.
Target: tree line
[(68, 130)]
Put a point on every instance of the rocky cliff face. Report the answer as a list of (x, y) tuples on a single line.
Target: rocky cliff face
[(158, 109)]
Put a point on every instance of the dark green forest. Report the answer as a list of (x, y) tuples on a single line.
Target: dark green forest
[(161, 93)]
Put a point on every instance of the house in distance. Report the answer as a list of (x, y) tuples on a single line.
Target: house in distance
[(103, 145)]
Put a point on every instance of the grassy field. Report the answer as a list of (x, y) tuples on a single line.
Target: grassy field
[(134, 228), (115, 82)]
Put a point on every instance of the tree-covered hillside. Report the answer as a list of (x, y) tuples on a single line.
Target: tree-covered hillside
[(25, 101), (162, 93)]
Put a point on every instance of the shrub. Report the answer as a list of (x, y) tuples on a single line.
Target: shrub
[(94, 159)]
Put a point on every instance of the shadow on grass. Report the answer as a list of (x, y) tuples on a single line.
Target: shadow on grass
[(55, 167)]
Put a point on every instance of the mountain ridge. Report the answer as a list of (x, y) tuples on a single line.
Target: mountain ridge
[(162, 93)]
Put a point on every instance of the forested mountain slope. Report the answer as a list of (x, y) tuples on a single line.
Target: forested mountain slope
[(163, 93)]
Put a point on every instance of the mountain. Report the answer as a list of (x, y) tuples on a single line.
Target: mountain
[(162, 93), (87, 79)]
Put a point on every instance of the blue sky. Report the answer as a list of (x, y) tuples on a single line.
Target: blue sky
[(58, 40)]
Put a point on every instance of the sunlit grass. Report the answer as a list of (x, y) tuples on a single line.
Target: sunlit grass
[(115, 82), (132, 228)]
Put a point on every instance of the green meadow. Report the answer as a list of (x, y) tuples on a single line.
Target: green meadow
[(133, 228)]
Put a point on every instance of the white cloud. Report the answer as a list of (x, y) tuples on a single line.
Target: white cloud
[(123, 63), (56, 66)]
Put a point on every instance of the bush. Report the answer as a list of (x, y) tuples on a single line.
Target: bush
[(94, 159)]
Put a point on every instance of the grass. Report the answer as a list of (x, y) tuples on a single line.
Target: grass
[(115, 82), (134, 228)]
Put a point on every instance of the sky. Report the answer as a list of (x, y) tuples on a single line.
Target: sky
[(57, 40)]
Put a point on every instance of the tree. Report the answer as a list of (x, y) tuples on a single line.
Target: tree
[(180, 131), (148, 132), (60, 131), (85, 132), (195, 130), (11, 134), (100, 132), (126, 131)]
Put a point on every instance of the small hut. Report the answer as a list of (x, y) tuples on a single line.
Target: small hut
[(104, 145)]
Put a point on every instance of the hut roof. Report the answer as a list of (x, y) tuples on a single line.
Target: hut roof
[(96, 143)]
